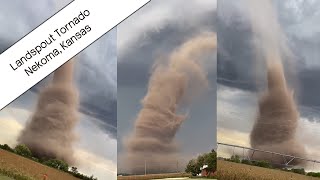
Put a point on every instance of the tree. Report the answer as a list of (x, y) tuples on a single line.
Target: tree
[(6, 147), (264, 164), (299, 171), (74, 170), (35, 159), (314, 174), (235, 158), (23, 150), (92, 178), (200, 160), (246, 161), (58, 164), (192, 167), (211, 161)]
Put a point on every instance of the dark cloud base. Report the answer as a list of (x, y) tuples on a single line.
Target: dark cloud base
[(134, 66)]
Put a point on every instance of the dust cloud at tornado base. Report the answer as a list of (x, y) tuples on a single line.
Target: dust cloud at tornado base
[(170, 85), (277, 120)]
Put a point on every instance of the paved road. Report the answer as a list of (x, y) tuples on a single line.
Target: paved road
[(5, 178)]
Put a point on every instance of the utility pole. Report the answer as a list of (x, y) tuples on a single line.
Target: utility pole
[(145, 167), (177, 166)]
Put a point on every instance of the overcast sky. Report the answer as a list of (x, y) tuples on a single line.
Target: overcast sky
[(96, 79), (237, 87), (153, 31)]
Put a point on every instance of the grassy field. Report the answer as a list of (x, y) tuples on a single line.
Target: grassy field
[(234, 171), (28, 169), (153, 176)]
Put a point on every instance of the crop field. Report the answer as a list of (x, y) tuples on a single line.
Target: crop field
[(5, 178), (154, 176), (27, 169), (186, 178), (233, 171)]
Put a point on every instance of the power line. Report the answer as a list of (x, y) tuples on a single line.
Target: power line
[(269, 152)]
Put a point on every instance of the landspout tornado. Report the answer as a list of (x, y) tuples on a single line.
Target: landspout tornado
[(50, 131), (278, 116), (152, 144), (276, 124)]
